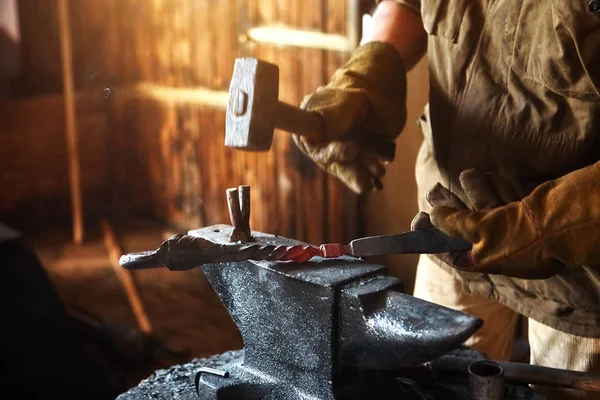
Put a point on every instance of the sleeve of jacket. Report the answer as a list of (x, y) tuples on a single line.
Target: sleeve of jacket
[(557, 226), (414, 5)]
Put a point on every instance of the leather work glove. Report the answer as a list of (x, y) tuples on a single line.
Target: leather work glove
[(483, 192), (556, 227), (365, 101)]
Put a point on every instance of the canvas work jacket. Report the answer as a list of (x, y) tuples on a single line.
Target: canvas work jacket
[(515, 89)]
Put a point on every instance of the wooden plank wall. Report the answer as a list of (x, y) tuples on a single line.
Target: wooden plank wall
[(171, 160), (33, 155), (168, 160), (40, 52), (33, 160)]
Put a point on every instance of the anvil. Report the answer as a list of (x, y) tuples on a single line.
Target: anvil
[(311, 328)]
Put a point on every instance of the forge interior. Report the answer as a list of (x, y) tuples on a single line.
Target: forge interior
[(112, 123)]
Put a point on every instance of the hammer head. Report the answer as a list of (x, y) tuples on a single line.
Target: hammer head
[(253, 93)]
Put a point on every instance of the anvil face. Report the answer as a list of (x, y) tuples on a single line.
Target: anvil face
[(302, 323)]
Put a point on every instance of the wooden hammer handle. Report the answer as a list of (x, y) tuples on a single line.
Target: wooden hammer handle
[(301, 122), (310, 125)]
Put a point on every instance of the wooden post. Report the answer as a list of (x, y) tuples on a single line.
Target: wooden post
[(71, 121), (353, 23)]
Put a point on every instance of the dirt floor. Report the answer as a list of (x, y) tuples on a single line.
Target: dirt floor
[(186, 316)]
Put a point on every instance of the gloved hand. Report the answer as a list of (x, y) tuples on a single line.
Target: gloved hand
[(483, 192), (556, 227), (367, 96)]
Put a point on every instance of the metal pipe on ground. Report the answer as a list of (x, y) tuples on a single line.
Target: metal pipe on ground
[(526, 373), (486, 379)]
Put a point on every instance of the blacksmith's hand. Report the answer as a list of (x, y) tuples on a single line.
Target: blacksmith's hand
[(365, 100), (556, 227)]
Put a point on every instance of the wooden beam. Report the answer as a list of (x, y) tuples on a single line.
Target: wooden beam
[(71, 121), (353, 23), (125, 278)]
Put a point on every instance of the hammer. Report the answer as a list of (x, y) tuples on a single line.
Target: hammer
[(254, 111)]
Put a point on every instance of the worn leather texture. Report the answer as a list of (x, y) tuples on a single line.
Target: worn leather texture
[(365, 99), (554, 228)]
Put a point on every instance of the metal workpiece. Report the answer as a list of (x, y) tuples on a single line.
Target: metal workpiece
[(486, 379), (222, 243), (209, 245), (213, 245)]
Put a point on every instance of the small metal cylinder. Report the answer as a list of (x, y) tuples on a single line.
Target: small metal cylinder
[(238, 201), (244, 194), (486, 379)]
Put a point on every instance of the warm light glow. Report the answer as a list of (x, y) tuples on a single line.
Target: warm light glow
[(283, 36), (190, 96)]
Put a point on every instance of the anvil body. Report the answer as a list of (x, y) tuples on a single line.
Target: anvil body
[(324, 329)]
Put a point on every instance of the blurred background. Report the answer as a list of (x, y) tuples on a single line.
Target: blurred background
[(111, 140)]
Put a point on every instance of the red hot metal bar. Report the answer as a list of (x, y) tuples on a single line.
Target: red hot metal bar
[(207, 245)]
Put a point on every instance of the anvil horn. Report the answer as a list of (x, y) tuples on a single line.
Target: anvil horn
[(382, 328)]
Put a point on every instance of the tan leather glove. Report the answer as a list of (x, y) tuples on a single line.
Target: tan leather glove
[(365, 100), (556, 227), (482, 191)]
